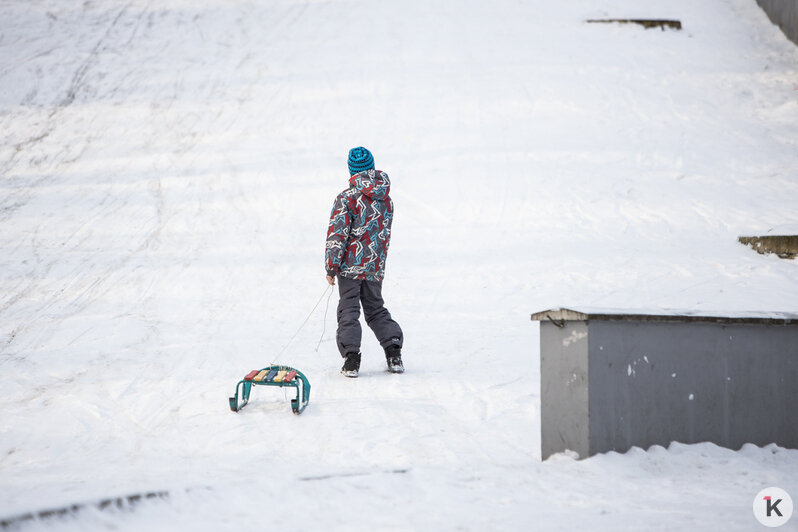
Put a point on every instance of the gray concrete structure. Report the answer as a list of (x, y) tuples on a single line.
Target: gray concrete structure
[(785, 246), (783, 13), (613, 380)]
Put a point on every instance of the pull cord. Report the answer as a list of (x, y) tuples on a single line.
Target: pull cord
[(306, 321)]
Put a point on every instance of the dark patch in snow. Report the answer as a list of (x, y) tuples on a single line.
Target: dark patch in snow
[(125, 502), (663, 24)]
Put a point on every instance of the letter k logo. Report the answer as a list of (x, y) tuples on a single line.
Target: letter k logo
[(772, 506)]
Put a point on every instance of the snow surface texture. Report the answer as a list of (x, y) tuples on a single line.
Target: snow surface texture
[(168, 169)]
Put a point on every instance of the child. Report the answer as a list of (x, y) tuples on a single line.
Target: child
[(357, 245)]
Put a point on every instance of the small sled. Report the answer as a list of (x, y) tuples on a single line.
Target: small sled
[(283, 376)]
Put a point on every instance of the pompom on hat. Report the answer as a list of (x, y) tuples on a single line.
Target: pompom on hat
[(360, 160)]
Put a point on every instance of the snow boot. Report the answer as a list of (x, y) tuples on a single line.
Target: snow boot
[(351, 365), (393, 356)]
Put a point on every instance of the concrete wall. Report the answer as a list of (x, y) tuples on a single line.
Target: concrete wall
[(783, 13), (564, 414), (610, 382)]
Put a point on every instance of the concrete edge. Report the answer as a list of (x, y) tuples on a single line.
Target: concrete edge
[(561, 315)]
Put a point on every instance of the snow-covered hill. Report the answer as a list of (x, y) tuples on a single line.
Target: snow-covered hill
[(167, 172)]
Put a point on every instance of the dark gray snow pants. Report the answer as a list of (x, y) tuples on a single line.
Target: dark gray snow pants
[(353, 293)]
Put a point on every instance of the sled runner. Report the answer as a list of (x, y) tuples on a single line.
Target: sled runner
[(283, 376)]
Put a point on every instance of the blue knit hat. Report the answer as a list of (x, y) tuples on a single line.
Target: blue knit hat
[(360, 159)]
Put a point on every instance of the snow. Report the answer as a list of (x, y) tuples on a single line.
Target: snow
[(167, 174)]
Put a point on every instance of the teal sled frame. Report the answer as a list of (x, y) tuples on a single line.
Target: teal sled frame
[(297, 381)]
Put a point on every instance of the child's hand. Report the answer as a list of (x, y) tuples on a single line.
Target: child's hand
[(331, 280)]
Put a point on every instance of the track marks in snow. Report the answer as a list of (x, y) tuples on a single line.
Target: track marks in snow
[(79, 79)]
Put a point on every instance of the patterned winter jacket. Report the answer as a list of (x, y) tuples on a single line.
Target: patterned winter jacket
[(360, 228)]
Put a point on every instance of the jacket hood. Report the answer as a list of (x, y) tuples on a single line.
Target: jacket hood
[(372, 183)]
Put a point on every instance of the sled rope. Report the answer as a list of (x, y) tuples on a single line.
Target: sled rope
[(324, 329), (303, 323)]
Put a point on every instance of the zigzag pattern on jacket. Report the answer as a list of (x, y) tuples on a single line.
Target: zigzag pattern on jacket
[(360, 228)]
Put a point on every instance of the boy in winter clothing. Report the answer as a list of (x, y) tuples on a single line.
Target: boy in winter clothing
[(357, 246)]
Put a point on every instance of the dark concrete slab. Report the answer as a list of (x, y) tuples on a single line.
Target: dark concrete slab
[(785, 246)]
